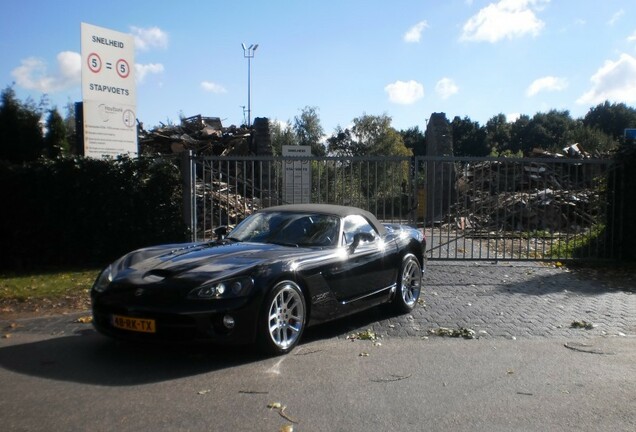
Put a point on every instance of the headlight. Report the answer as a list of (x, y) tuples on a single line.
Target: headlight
[(104, 279), (238, 287)]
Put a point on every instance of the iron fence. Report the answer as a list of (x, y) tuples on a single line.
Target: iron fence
[(470, 208)]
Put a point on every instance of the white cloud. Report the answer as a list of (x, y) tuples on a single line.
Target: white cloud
[(632, 37), (211, 87), (141, 70), (147, 38), (32, 74), (616, 17), (548, 83), (614, 81), (415, 33), (505, 19), (405, 93), (446, 87)]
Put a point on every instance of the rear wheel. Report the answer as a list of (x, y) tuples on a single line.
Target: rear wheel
[(283, 318), (409, 284)]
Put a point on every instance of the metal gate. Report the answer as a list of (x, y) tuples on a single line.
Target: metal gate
[(470, 208)]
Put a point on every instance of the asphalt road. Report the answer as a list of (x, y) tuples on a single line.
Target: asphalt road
[(527, 369)]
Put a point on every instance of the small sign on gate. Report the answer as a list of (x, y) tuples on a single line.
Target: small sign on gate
[(297, 180)]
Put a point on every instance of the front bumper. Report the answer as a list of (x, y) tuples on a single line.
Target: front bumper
[(192, 322)]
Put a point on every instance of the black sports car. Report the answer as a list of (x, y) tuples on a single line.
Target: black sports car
[(279, 270)]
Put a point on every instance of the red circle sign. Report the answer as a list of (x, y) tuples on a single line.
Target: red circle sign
[(94, 62), (123, 69)]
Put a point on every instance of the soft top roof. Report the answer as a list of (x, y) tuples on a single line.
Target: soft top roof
[(331, 209)]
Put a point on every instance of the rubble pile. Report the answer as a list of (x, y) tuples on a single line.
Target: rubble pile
[(515, 196), (205, 136)]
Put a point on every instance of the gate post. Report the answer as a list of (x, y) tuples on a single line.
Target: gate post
[(188, 175)]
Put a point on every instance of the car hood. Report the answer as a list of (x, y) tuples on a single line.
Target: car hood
[(200, 263)]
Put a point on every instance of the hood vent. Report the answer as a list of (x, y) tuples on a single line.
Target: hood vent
[(157, 275)]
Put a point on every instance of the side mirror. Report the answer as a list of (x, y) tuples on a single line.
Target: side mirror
[(359, 237), (221, 232)]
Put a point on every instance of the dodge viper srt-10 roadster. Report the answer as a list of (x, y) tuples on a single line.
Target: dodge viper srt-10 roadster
[(278, 271)]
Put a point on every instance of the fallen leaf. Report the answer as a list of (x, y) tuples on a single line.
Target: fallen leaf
[(363, 335), (6, 336), (202, 392), (281, 410), (363, 354), (583, 324), (287, 428), (84, 319), (466, 333)]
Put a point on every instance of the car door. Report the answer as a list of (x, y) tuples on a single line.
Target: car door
[(365, 268)]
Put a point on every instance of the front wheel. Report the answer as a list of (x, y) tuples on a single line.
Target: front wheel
[(409, 284), (283, 319)]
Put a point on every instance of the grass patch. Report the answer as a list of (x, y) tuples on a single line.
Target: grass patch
[(46, 284), (580, 245)]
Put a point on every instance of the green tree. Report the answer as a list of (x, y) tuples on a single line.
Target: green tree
[(497, 133), (20, 132), (376, 137), (592, 140), (550, 131), (71, 129), (55, 141), (469, 139), (282, 135), (309, 131), (414, 140), (612, 119)]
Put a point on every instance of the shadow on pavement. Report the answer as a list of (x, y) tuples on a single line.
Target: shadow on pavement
[(90, 358), (560, 283)]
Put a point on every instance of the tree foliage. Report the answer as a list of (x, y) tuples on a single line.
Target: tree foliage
[(81, 211), (612, 119), (282, 135), (309, 131), (55, 138), (468, 138), (21, 137), (369, 136), (414, 140)]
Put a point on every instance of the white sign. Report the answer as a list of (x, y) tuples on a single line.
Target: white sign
[(108, 92), (297, 185)]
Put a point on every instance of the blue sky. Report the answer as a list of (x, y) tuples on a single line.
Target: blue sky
[(406, 59)]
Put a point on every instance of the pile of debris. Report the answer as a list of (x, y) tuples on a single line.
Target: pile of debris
[(205, 136), (517, 196)]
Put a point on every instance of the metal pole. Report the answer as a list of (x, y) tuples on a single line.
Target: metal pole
[(248, 53)]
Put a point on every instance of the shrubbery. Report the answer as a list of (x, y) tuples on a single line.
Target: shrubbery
[(81, 211)]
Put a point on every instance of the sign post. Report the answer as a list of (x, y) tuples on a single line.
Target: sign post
[(108, 92)]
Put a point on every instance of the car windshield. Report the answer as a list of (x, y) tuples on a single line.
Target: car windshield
[(290, 229)]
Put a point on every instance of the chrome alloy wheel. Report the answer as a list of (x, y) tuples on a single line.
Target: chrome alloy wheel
[(411, 281), (286, 316)]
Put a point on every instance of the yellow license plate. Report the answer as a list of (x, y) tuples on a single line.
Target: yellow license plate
[(134, 324)]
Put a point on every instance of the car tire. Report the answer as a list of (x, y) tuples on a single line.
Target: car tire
[(283, 319), (409, 285)]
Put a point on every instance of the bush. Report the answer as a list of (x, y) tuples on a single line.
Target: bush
[(81, 211)]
